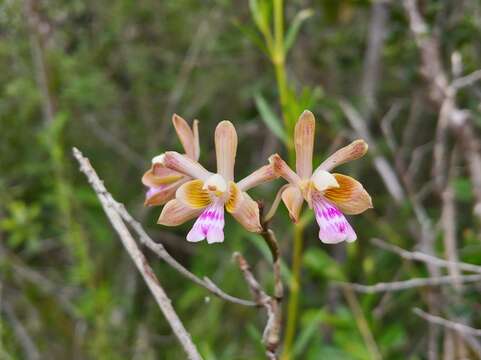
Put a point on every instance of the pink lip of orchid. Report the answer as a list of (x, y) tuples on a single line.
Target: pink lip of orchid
[(163, 182), (206, 196), (329, 195)]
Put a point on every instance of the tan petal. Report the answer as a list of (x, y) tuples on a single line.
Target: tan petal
[(195, 129), (351, 152), (293, 199), (246, 212), (185, 134), (160, 175), (282, 169), (262, 175), (176, 213), (304, 141), (160, 195), (185, 165), (350, 196), (225, 149), (192, 194)]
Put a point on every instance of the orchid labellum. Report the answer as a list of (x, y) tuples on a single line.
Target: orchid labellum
[(163, 182), (205, 195), (329, 195)]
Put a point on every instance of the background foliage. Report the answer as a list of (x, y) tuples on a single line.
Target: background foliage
[(107, 76)]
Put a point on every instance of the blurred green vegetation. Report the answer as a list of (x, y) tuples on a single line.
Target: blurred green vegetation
[(107, 76)]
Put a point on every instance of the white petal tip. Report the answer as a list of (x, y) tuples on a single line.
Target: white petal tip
[(324, 180), (159, 159)]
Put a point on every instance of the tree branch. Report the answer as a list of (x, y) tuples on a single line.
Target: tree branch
[(412, 283), (139, 259), (461, 328), (420, 256)]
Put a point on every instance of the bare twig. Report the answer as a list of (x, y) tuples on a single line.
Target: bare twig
[(461, 328), (466, 80), (423, 257), (139, 259), (271, 335), (448, 222), (412, 283)]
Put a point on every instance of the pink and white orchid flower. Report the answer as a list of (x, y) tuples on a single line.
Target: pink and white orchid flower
[(329, 195), (163, 182), (206, 196)]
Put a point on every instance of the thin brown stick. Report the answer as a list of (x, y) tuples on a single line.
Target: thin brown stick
[(271, 335), (466, 80), (423, 257), (461, 328), (139, 259), (412, 283)]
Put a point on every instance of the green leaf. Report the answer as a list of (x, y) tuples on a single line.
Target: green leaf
[(310, 328), (253, 36), (295, 26), (260, 11), (270, 118), (322, 264)]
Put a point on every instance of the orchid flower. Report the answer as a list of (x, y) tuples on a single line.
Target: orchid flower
[(206, 196), (329, 195), (163, 182)]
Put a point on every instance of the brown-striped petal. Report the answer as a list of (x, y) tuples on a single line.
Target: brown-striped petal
[(246, 212), (351, 152), (260, 176), (185, 165), (293, 199), (176, 213), (225, 149), (160, 175), (192, 194), (304, 142), (350, 196), (282, 169), (195, 129), (185, 134)]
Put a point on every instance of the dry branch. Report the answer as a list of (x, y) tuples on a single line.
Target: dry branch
[(413, 283), (461, 328), (271, 335), (138, 257), (423, 257)]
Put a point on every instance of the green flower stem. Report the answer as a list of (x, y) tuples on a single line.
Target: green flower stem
[(278, 56), (293, 305)]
